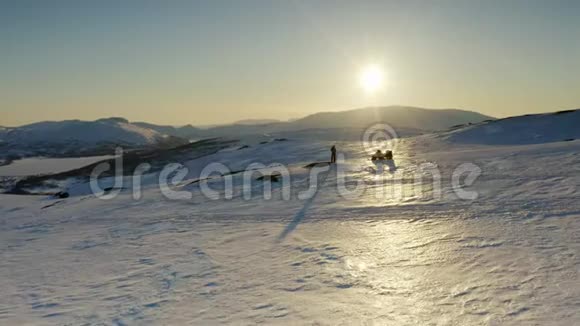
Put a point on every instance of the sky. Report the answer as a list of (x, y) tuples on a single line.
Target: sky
[(211, 62)]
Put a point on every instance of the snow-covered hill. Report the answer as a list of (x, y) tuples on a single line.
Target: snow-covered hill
[(528, 129), (253, 122), (396, 116), (115, 130), (75, 138), (187, 131), (400, 117), (508, 256)]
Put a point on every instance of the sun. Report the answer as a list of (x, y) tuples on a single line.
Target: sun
[(371, 78)]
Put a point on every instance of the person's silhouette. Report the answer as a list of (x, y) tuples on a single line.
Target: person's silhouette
[(333, 154)]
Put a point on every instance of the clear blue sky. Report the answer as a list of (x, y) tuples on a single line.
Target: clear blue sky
[(204, 62)]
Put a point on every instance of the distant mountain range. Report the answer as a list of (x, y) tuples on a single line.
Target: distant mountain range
[(116, 130), (70, 136), (76, 137), (80, 138), (395, 116), (186, 131), (255, 121)]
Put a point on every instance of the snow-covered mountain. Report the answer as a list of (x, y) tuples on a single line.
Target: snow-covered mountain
[(255, 121), (75, 138), (187, 131), (527, 129), (112, 130), (396, 116)]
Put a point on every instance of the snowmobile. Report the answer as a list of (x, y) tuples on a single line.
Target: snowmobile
[(379, 156)]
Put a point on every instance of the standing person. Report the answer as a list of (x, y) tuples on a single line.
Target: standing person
[(333, 154)]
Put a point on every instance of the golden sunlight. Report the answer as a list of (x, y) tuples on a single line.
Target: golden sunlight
[(371, 78)]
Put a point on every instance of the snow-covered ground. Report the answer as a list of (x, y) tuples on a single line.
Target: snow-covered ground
[(510, 256), (520, 130), (42, 165)]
